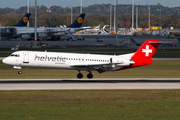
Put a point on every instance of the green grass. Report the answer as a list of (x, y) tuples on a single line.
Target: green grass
[(158, 69), (90, 105)]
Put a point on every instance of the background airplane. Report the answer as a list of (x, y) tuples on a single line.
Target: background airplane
[(85, 62), (28, 32), (104, 30), (12, 30), (22, 23)]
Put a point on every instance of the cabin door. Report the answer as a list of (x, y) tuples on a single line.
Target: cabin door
[(25, 57)]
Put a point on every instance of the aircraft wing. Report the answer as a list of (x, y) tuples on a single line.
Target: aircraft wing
[(98, 67)]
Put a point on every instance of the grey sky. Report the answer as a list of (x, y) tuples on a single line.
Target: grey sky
[(68, 3)]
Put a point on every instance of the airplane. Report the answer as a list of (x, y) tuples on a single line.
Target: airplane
[(12, 30), (23, 22), (104, 31), (28, 32), (84, 62)]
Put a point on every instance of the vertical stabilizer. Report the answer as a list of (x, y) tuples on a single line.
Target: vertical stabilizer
[(78, 22), (143, 55), (23, 22)]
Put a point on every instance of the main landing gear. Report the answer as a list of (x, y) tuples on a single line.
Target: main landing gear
[(90, 75), (79, 75)]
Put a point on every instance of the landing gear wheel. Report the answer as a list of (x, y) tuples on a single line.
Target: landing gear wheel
[(79, 75), (19, 72), (89, 75)]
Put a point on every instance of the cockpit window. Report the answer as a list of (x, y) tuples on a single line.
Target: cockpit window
[(14, 55)]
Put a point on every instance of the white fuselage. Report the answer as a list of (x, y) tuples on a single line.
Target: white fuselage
[(56, 31), (67, 60)]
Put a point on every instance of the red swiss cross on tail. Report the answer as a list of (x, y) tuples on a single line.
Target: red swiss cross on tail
[(147, 50)]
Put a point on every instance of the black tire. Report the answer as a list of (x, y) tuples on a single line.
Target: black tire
[(79, 75), (89, 75), (19, 72)]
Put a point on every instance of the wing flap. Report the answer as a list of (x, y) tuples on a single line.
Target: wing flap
[(88, 65), (98, 67)]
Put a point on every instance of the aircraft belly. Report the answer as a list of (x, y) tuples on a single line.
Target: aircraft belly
[(43, 64)]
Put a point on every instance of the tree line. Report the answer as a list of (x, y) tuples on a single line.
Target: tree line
[(97, 14), (98, 9)]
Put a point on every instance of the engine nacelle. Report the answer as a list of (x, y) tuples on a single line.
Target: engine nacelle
[(25, 36), (121, 62), (41, 35)]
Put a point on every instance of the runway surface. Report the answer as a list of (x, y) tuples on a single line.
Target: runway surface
[(86, 84)]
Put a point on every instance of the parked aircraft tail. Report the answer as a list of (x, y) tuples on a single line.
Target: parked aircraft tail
[(104, 30), (78, 22), (23, 22)]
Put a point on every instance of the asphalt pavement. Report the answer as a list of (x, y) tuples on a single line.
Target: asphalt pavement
[(89, 84)]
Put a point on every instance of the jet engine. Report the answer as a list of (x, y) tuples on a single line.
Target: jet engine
[(41, 35), (25, 36), (121, 62)]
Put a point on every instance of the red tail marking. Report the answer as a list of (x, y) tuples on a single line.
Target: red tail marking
[(143, 55)]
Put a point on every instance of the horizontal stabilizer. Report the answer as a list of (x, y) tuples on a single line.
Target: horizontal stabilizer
[(163, 42)]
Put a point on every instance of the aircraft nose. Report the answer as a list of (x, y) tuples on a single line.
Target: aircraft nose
[(5, 61)]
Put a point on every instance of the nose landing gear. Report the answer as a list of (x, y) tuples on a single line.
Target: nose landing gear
[(19, 72)]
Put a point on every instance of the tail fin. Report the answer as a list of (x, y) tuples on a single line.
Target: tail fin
[(24, 20), (143, 55), (78, 22), (105, 31)]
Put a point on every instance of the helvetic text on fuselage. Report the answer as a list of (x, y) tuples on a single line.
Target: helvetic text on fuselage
[(47, 58)]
